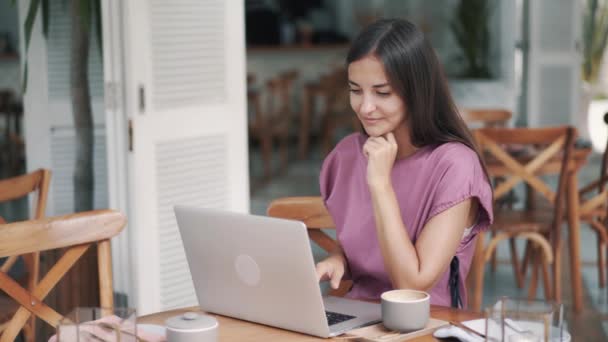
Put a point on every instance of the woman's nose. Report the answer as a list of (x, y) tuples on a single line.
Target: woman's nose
[(367, 105)]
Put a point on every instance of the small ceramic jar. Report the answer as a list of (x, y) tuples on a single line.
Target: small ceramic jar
[(192, 327)]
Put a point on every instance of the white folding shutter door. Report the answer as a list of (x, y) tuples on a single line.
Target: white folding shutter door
[(190, 171), (187, 43), (189, 139), (554, 62), (188, 69)]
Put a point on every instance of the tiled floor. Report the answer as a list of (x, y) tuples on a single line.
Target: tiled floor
[(301, 179)]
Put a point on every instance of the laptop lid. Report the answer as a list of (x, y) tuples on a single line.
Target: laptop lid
[(254, 268)]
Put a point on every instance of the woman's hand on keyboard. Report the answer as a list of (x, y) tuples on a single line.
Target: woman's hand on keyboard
[(331, 269)]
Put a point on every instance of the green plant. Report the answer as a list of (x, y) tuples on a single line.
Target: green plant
[(595, 35), (470, 26), (84, 14)]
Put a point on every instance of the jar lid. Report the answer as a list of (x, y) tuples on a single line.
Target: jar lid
[(191, 321)]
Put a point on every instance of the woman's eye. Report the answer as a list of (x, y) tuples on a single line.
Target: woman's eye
[(355, 91), (381, 93)]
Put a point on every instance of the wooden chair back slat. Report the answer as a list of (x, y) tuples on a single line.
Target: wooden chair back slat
[(308, 209), (487, 117), (28, 300), (524, 136), (58, 232)]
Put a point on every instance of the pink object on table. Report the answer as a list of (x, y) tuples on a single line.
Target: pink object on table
[(95, 332)]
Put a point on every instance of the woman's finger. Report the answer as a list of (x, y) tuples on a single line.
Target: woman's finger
[(336, 277)]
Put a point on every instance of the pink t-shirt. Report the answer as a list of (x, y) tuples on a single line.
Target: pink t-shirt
[(426, 183)]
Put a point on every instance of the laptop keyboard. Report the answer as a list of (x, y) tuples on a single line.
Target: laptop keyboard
[(335, 318)]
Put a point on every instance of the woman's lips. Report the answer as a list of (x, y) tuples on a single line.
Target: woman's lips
[(370, 121)]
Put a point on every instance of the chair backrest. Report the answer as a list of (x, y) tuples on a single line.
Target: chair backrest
[(312, 211), (76, 233), (490, 117), (520, 155), (36, 183)]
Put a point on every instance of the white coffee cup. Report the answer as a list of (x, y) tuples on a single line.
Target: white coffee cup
[(405, 310), (192, 327)]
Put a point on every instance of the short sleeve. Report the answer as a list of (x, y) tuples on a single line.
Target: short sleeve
[(460, 177), (329, 170)]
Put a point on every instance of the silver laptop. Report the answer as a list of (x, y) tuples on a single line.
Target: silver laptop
[(261, 269)]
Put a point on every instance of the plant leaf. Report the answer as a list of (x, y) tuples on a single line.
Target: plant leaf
[(45, 18), (28, 26), (98, 28), (24, 84), (85, 13), (29, 21)]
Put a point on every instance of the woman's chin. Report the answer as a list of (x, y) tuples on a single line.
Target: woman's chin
[(374, 132)]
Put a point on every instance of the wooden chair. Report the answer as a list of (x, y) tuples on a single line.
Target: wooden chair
[(76, 233), (487, 117), (594, 212), (546, 151), (271, 113), (312, 211), (257, 125), (11, 189)]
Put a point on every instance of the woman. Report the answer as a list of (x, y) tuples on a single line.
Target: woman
[(409, 196)]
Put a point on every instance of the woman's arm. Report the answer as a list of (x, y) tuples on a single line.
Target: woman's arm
[(411, 266), (418, 266)]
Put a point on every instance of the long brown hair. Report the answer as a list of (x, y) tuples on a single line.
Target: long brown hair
[(414, 71)]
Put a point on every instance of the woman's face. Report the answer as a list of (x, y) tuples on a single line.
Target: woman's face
[(377, 105)]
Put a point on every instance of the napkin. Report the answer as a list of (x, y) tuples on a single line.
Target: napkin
[(96, 332), (479, 325)]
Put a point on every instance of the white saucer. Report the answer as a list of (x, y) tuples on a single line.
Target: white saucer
[(153, 329)]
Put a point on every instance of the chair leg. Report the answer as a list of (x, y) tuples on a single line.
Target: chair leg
[(328, 136), (546, 279), (493, 261), (526, 259), (601, 261), (266, 147), (29, 331), (534, 280), (515, 263), (478, 272), (284, 153), (557, 274)]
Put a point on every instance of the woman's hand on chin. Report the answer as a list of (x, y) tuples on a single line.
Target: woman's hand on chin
[(381, 153)]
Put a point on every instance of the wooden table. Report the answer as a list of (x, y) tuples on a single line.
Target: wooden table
[(579, 158), (232, 329)]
